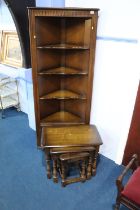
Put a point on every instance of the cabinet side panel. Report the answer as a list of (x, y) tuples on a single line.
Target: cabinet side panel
[(47, 59), (77, 84), (48, 84), (34, 73), (91, 64), (75, 31), (48, 107), (76, 107), (78, 59), (87, 29), (46, 30)]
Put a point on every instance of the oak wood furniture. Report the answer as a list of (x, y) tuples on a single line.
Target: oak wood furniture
[(65, 159), (129, 195), (70, 136), (55, 154), (62, 44)]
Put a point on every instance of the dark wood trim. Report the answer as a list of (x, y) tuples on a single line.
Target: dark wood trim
[(133, 141), (91, 64), (18, 10), (64, 8)]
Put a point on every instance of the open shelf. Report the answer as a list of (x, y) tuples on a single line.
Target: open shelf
[(61, 117), (63, 47), (63, 94), (62, 87), (62, 71), (63, 32), (73, 61)]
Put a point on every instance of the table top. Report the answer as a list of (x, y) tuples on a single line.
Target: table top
[(78, 135)]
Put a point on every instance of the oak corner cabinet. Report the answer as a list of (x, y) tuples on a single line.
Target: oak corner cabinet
[(62, 44)]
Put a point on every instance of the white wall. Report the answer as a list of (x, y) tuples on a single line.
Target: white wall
[(6, 21), (50, 3), (117, 71)]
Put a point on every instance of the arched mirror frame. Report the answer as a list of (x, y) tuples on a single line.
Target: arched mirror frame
[(18, 10)]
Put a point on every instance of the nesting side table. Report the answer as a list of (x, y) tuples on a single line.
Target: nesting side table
[(59, 137)]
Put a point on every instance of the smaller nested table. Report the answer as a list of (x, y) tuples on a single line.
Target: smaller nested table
[(65, 159), (70, 137)]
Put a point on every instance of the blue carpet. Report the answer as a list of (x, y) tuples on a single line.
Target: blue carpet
[(23, 181)]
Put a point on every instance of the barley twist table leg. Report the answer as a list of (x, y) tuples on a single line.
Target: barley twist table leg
[(63, 173), (55, 177), (48, 168), (48, 164), (95, 161), (89, 168), (83, 172)]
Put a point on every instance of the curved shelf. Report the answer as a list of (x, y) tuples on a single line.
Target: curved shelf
[(62, 117), (64, 46), (62, 71), (63, 94)]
